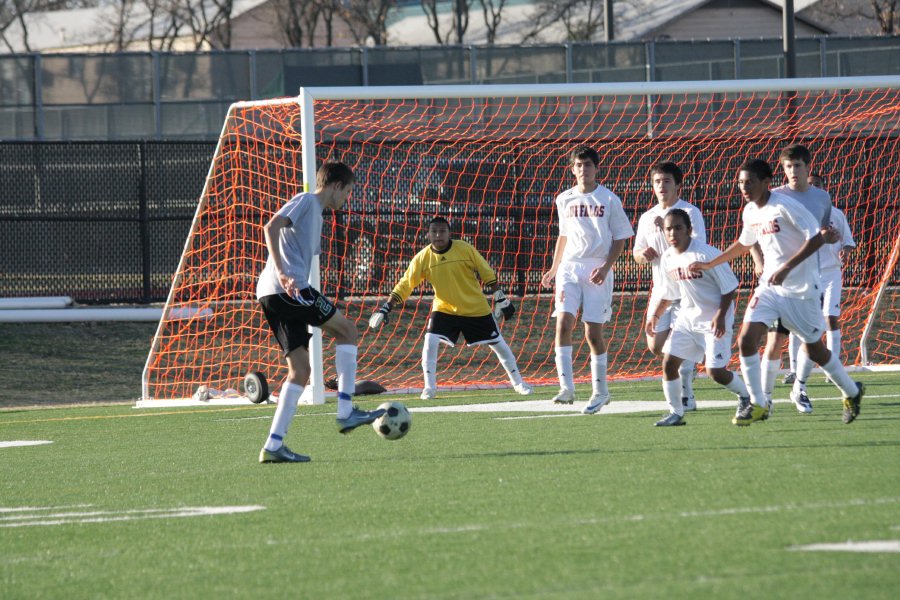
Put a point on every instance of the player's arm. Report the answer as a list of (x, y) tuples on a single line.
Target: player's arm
[(653, 319), (643, 253), (599, 274), (549, 276), (758, 261), (411, 278), (718, 322), (272, 232), (503, 307), (735, 250), (808, 248)]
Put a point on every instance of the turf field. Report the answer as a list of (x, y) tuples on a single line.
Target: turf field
[(171, 503)]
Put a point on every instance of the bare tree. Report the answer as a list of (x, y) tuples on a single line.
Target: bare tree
[(492, 15), (368, 19), (582, 19), (293, 18), (208, 21), (13, 12), (459, 21), (858, 16)]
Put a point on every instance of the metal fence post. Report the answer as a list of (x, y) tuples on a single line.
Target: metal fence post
[(569, 62), (737, 59), (144, 213), (254, 86), (157, 108), (38, 97)]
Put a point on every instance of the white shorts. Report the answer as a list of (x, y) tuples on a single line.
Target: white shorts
[(667, 318), (801, 316), (689, 342), (574, 290), (832, 286)]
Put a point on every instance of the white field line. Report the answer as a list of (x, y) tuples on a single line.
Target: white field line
[(850, 546), (108, 516), (15, 509), (546, 408), (19, 443)]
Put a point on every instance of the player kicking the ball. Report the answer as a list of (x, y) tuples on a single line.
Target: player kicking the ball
[(291, 305), (450, 266), (788, 290), (705, 317)]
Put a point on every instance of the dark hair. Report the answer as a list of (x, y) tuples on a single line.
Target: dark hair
[(758, 167), (669, 168), (439, 220), (334, 172), (584, 153), (795, 152), (816, 176), (680, 213)]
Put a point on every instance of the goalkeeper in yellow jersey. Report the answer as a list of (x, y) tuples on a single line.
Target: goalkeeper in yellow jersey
[(457, 272)]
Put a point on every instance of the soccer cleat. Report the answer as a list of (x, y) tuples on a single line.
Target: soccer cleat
[(428, 394), (523, 389), (801, 401), (564, 397), (753, 412), (789, 379), (595, 404), (671, 420), (283, 454), (851, 405), (743, 403), (358, 417), (689, 403)]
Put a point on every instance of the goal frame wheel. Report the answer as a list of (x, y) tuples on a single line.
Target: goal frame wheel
[(256, 387)]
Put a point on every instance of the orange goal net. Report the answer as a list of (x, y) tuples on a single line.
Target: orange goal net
[(492, 160)]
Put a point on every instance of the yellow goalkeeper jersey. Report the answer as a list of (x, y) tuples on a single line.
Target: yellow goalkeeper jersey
[(456, 274)]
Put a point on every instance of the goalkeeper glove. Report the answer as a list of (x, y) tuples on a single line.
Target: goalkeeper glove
[(379, 317), (502, 306)]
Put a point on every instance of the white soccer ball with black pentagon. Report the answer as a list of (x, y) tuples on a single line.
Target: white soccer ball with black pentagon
[(394, 423)]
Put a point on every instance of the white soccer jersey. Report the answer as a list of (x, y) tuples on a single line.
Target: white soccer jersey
[(815, 200), (829, 254), (700, 292), (591, 222), (298, 243), (648, 235), (781, 227)]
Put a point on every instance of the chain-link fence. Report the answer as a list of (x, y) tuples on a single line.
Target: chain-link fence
[(164, 96)]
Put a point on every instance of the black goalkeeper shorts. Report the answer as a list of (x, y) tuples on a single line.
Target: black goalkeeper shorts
[(290, 320)]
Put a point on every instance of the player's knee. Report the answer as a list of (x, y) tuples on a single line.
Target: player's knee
[(671, 366), (720, 375)]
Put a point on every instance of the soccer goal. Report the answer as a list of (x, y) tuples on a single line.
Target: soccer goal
[(492, 159)]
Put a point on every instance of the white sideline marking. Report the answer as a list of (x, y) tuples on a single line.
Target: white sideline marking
[(869, 546), (18, 443), (108, 516)]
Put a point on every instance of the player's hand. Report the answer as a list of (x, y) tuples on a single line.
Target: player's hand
[(599, 274), (304, 296), (502, 306), (548, 279), (757, 269), (287, 282), (831, 235), (380, 316), (650, 327), (696, 267), (650, 254), (718, 325), (779, 276)]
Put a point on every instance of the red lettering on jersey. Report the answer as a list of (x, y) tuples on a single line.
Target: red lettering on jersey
[(761, 229), (585, 210), (682, 274)]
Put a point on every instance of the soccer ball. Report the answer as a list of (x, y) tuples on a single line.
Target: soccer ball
[(394, 423)]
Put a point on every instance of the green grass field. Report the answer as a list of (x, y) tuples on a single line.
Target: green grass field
[(468, 505)]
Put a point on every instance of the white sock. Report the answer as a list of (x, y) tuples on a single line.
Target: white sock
[(752, 374), (284, 413), (599, 384), (839, 376), (833, 341), (564, 367), (345, 364), (804, 368), (508, 360), (737, 387), (686, 372), (794, 344), (770, 370), (672, 392), (429, 360)]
